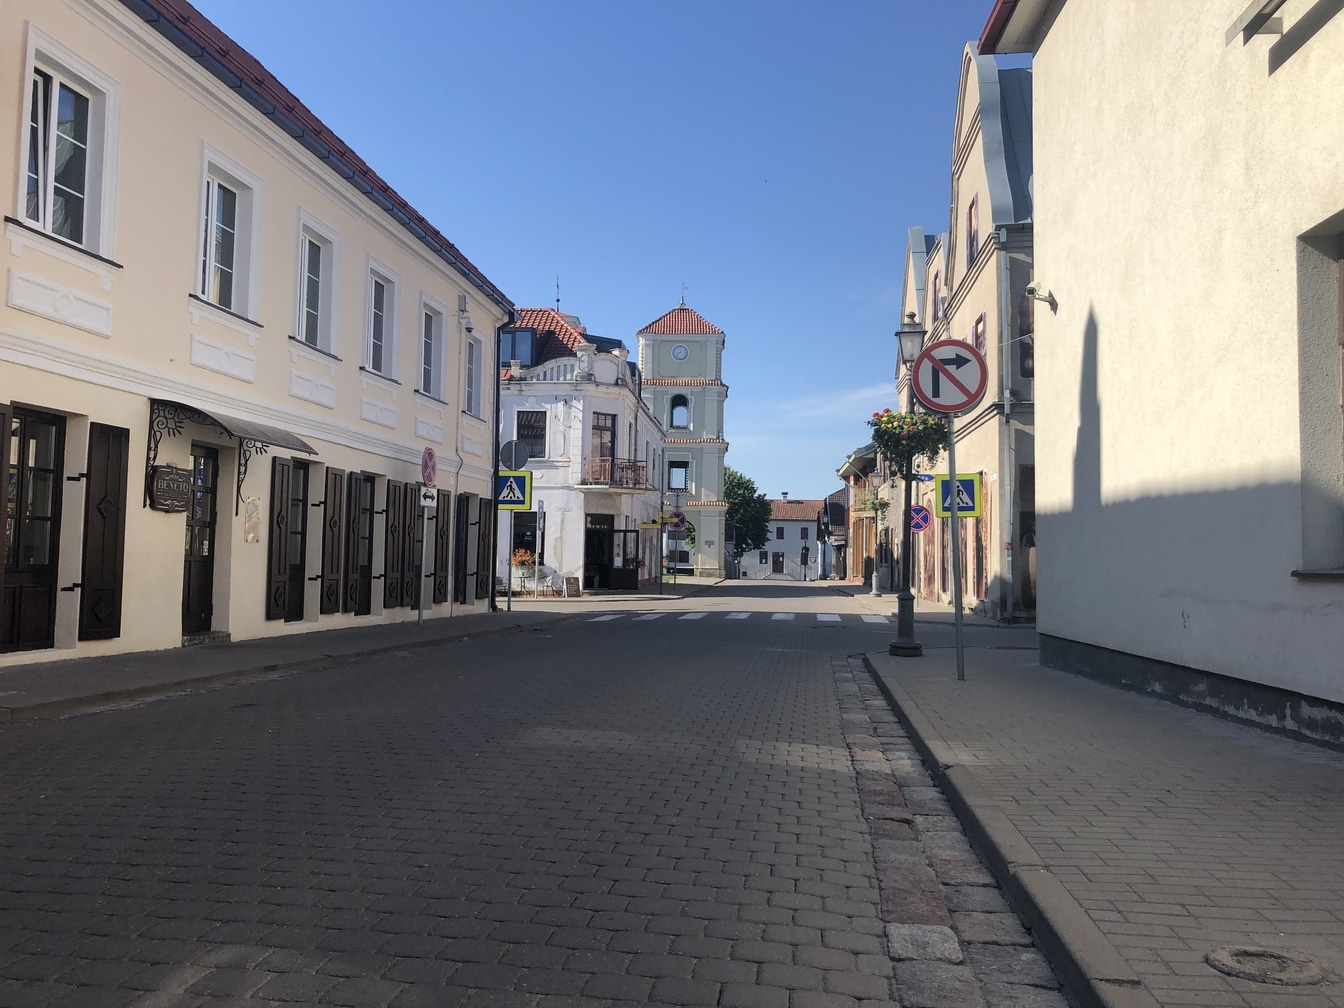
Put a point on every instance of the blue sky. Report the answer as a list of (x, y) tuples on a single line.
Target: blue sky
[(769, 154)]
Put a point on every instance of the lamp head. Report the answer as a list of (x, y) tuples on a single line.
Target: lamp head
[(911, 336)]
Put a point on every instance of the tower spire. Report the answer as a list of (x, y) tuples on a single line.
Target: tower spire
[(684, 289)]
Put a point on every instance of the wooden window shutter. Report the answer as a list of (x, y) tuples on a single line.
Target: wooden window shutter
[(104, 533), (443, 545), (392, 586), (333, 540), (277, 554), (6, 434), (462, 530), (353, 486), (484, 555), (411, 545)]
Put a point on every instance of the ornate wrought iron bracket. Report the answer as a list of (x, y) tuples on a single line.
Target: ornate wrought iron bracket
[(247, 447), (169, 419)]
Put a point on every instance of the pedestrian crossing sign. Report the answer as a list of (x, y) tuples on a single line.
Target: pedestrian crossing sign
[(970, 502), (513, 490)]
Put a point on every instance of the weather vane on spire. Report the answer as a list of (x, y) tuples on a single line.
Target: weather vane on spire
[(684, 289), (557, 294)]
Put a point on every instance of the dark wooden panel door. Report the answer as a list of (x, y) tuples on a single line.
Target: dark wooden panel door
[(443, 545), (198, 569), (104, 533), (297, 549), (36, 456), (393, 587), (485, 542), (461, 537), (333, 542), (358, 596), (776, 563), (412, 545), (277, 542)]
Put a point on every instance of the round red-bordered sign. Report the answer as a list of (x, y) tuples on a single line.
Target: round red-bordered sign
[(950, 376)]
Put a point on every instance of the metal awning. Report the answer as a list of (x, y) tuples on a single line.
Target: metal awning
[(246, 430), (168, 417)]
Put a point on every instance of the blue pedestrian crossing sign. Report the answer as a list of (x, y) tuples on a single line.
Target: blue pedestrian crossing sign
[(513, 490), (970, 503)]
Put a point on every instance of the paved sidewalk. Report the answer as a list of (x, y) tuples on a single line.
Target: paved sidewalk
[(1133, 835)]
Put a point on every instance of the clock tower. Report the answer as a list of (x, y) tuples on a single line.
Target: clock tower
[(681, 359)]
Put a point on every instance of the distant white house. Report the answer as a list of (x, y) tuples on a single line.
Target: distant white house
[(791, 553), (596, 451)]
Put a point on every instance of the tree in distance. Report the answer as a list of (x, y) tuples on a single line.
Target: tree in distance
[(748, 510)]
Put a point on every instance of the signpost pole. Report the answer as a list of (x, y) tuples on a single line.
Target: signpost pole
[(536, 553), (954, 523), (508, 568), (424, 543)]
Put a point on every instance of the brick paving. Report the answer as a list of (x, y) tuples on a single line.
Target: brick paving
[(1176, 832)]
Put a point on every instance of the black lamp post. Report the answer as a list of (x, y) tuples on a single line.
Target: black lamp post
[(911, 336)]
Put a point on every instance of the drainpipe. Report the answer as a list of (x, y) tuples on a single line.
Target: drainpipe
[(1007, 456), (509, 320)]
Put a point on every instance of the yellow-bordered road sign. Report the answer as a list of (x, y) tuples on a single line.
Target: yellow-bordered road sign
[(970, 499), (513, 490)]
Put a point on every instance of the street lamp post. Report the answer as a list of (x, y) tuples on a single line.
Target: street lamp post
[(911, 338), (877, 537)]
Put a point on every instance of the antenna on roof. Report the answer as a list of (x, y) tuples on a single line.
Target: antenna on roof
[(684, 289), (557, 294)]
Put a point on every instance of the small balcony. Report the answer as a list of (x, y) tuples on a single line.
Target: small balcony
[(620, 475)]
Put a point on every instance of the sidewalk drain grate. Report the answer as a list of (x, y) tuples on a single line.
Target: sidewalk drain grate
[(1263, 965)]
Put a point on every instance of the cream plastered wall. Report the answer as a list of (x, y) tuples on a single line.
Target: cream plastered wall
[(135, 332), (1174, 175)]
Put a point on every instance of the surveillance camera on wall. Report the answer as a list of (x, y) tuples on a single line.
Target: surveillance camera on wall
[(1034, 289)]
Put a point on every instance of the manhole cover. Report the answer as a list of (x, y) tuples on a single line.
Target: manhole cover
[(1264, 965)]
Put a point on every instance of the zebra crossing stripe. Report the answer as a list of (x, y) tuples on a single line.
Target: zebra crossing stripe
[(650, 615), (608, 616), (694, 615), (738, 615), (826, 617), (870, 618), (781, 615)]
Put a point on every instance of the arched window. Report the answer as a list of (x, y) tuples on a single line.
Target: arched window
[(681, 412)]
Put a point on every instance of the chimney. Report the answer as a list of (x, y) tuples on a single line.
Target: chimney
[(785, 496)]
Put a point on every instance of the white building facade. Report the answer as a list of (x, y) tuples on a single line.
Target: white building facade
[(224, 346), (792, 552), (573, 400), (1190, 441)]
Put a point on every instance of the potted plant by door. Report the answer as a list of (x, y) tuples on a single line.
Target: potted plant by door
[(524, 565)]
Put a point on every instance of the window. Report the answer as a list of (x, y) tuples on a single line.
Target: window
[(972, 230), (69, 151), (518, 345), (219, 244), (317, 281), (978, 332), (765, 557), (602, 441), (431, 352), (935, 294), (678, 475), (681, 412), (381, 324), (779, 531), (802, 532), (531, 426), (474, 364)]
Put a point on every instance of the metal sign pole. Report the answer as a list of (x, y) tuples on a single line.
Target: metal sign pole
[(953, 489), (508, 567), (424, 566)]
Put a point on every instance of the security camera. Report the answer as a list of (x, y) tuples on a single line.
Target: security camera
[(1033, 289), (470, 328)]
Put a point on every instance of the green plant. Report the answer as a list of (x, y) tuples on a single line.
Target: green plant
[(913, 436)]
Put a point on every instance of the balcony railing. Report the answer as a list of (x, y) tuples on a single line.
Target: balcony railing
[(619, 474)]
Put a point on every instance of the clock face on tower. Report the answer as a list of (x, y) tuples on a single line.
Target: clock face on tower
[(679, 352)]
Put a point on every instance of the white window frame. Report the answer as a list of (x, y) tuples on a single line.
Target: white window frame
[(217, 169), (689, 476), (312, 230), (49, 57), (473, 366), (378, 273), (690, 411), (438, 363)]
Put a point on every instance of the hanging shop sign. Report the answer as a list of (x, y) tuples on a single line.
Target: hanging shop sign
[(169, 488)]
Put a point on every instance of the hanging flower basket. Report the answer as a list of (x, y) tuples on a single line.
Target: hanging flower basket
[(915, 436), (523, 557)]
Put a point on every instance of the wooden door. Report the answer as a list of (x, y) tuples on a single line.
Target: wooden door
[(198, 570), (358, 594), (104, 533), (296, 559), (776, 563), (36, 455)]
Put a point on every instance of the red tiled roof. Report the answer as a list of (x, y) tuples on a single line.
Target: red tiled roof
[(694, 440), (198, 37), (559, 338), (795, 510), (702, 382), (681, 321)]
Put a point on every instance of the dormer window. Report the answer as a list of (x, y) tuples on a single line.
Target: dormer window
[(681, 412), (518, 345)]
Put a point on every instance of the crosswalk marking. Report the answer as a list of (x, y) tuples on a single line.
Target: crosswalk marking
[(650, 615), (781, 615), (825, 617), (870, 618), (739, 615), (608, 616), (694, 615), (673, 614)]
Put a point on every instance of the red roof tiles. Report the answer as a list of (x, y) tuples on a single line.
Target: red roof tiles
[(795, 510), (559, 338), (700, 382), (681, 321)]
